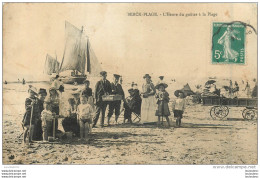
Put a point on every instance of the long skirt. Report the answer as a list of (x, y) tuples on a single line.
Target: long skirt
[(148, 109)]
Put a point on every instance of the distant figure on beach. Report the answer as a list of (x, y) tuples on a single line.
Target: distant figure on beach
[(148, 101), (247, 89), (5, 82), (18, 80), (23, 81), (163, 99), (226, 40)]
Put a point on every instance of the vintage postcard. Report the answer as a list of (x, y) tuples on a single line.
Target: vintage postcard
[(130, 83)]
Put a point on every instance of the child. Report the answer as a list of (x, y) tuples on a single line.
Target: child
[(70, 123), (85, 114), (55, 104), (47, 118), (178, 107), (162, 97), (38, 125), (31, 115)]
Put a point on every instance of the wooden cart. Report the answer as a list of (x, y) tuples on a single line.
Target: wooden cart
[(220, 106)]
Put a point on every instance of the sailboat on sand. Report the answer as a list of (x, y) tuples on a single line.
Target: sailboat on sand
[(78, 59)]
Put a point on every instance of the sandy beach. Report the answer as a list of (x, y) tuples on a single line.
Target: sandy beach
[(200, 140)]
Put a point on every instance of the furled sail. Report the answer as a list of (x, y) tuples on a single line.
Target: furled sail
[(51, 65), (74, 56)]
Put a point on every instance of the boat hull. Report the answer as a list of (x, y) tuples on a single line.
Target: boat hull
[(73, 80)]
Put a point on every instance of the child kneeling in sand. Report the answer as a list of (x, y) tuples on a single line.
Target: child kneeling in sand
[(178, 107), (47, 118), (85, 114)]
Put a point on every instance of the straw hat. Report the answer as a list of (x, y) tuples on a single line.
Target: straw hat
[(33, 89), (146, 76), (161, 84), (177, 93)]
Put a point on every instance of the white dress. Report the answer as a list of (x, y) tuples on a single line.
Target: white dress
[(149, 105)]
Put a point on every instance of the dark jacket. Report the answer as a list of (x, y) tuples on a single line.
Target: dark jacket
[(101, 89), (87, 92), (117, 89)]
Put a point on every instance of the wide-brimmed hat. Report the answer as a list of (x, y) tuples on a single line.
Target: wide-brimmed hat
[(161, 84), (146, 76), (177, 93), (117, 76), (33, 89), (103, 73), (42, 91), (161, 77)]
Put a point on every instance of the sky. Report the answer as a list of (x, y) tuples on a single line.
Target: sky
[(127, 45)]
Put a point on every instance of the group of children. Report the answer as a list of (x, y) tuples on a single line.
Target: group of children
[(178, 105), (40, 120)]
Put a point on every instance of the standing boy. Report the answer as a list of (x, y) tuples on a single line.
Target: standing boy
[(115, 105)]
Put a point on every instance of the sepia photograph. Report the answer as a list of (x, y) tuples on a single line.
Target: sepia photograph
[(129, 84)]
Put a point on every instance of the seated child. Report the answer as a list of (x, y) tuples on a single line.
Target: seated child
[(70, 123), (31, 115), (162, 97), (178, 107), (85, 114)]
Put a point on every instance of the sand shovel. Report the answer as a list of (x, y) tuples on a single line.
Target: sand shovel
[(52, 139)]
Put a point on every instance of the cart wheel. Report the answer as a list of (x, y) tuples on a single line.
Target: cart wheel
[(212, 112), (249, 114), (221, 111)]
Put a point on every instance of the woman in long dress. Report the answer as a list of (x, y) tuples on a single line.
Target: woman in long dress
[(148, 101), (225, 40)]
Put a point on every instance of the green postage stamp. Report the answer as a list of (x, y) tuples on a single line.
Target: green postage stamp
[(228, 43)]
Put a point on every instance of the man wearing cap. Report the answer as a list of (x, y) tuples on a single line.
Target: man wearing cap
[(103, 87), (115, 105)]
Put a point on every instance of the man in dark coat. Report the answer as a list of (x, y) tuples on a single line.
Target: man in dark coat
[(115, 105), (103, 87)]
